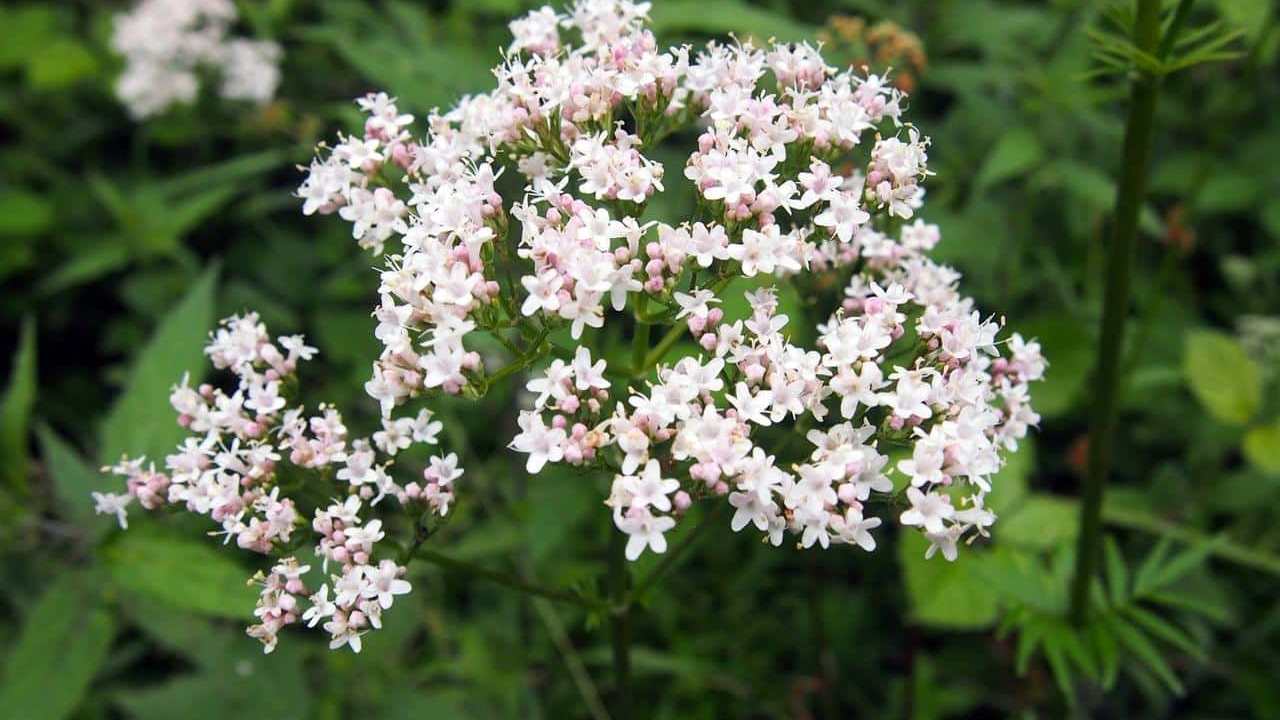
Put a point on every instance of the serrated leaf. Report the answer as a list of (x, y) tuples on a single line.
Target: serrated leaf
[(1222, 376), (63, 642), (141, 421), (946, 594), (192, 575), (15, 409)]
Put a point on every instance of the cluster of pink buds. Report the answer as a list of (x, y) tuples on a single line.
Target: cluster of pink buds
[(277, 601)]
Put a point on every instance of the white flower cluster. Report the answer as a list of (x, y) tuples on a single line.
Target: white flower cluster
[(908, 378), (166, 45), (251, 454)]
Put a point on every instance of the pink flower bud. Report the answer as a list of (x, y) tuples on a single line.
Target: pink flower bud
[(682, 501)]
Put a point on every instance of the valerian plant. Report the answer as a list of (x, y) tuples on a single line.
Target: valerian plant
[(799, 169)]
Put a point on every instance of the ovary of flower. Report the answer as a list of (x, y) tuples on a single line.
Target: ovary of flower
[(644, 530), (928, 510)]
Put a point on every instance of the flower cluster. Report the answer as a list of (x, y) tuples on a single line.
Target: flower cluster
[(904, 409), (251, 459), (908, 380), (166, 45)]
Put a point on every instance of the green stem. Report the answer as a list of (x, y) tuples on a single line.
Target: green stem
[(507, 580), (620, 624), (577, 670), (1137, 155), (640, 342), (660, 350)]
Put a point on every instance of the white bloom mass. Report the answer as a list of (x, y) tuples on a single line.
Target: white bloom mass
[(166, 44), (903, 410)]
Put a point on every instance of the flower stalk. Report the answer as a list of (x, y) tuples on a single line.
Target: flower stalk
[(1136, 158)]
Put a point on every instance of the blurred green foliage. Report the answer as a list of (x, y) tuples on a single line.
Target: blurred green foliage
[(121, 243)]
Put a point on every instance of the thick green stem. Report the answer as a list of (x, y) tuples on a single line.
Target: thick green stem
[(620, 624), (1137, 155)]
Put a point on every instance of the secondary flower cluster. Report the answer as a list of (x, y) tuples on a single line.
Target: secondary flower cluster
[(252, 453), (167, 44), (908, 378)]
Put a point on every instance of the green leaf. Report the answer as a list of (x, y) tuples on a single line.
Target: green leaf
[(1009, 486), (186, 574), (1262, 448), (15, 409), (1222, 376), (63, 642), (1117, 573), (946, 594), (1249, 15), (1067, 344), (24, 214), (1163, 629), (87, 266), (73, 480), (60, 64), (231, 676), (1145, 651), (141, 421), (1041, 521), (1016, 153), (24, 31)]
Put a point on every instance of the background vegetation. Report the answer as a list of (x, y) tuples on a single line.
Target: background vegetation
[(121, 243)]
